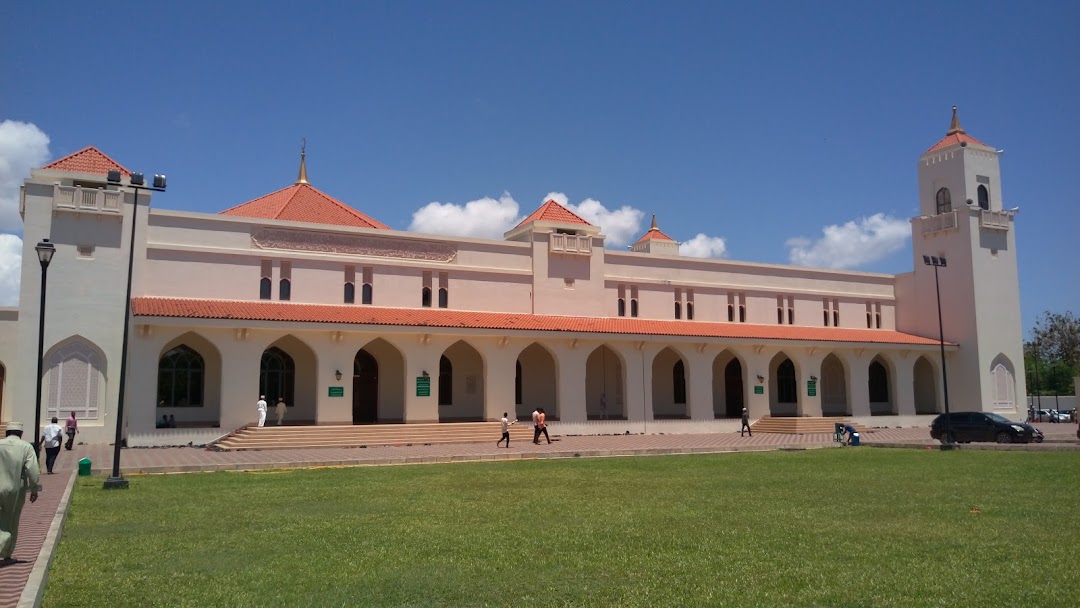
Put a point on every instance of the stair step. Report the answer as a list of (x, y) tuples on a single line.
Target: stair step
[(275, 437)]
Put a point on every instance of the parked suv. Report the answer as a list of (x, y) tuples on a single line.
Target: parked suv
[(984, 426)]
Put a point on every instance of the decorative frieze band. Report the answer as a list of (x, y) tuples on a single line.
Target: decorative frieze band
[(353, 244)]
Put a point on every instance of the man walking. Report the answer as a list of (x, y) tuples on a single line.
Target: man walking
[(745, 423), (261, 406), (505, 430), (280, 410), (541, 424), (18, 473), (536, 425), (50, 438), (72, 428)]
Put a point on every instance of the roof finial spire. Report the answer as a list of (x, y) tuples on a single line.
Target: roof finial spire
[(955, 127), (653, 227), (302, 177)]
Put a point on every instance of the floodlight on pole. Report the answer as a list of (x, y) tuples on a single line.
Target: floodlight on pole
[(137, 182), (939, 262)]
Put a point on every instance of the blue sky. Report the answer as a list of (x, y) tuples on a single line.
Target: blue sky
[(754, 124)]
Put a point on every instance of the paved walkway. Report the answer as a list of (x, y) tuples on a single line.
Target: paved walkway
[(38, 517)]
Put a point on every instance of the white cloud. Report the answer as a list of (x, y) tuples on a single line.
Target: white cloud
[(485, 217), (10, 269), (621, 226), (852, 244), (23, 146), (704, 246)]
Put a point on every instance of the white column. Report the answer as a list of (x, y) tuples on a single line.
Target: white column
[(501, 357), (810, 365), (570, 364), (699, 370), (637, 369), (335, 353), (904, 383), (241, 357), (422, 355), (859, 382), (757, 363)]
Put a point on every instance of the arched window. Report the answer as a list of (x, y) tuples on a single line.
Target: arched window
[(944, 201), (678, 310), (779, 315), (786, 389), (265, 287), (984, 197), (869, 320), (622, 307), (350, 293), (444, 297), (446, 381), (742, 313), (633, 308), (425, 297), (180, 378), (277, 375), (517, 383), (825, 317), (75, 379), (1004, 387), (731, 313), (678, 381), (365, 293), (689, 311), (836, 317), (284, 290), (879, 383)]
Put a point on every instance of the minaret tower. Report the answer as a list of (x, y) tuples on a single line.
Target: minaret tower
[(962, 218)]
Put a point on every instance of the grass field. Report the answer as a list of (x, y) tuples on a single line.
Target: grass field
[(851, 527)]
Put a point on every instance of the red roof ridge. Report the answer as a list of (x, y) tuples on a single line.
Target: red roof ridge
[(276, 204), (956, 135), (297, 312), (654, 234), (88, 160), (552, 211)]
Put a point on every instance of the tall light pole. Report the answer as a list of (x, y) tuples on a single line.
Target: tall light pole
[(1038, 389), (45, 251), (136, 182), (939, 262)]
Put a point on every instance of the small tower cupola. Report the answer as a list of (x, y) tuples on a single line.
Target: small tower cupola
[(656, 242), (958, 171)]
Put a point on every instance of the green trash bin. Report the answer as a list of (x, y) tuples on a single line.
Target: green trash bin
[(84, 467)]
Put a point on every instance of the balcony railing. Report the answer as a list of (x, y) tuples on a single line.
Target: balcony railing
[(944, 221), (995, 220), (77, 198), (571, 243)]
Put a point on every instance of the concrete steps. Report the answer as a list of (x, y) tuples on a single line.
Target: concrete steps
[(801, 425), (327, 436)]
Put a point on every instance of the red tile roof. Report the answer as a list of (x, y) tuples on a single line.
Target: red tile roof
[(553, 212), (954, 139), (427, 317), (87, 160), (654, 234), (304, 203)]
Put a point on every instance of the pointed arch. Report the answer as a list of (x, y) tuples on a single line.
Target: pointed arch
[(943, 200), (834, 397), (729, 384), (463, 367), (1002, 383), (76, 379), (783, 386), (669, 384), (287, 370), (984, 197), (924, 379), (605, 377), (379, 380), (203, 390), (537, 381), (880, 386)]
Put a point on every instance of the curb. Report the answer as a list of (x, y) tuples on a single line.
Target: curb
[(34, 589)]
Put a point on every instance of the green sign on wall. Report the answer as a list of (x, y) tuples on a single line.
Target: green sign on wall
[(759, 390), (811, 388), (337, 391), (423, 386)]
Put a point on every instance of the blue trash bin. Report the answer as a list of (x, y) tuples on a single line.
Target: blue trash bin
[(855, 439)]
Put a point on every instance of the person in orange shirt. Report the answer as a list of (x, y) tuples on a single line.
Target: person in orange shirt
[(541, 427)]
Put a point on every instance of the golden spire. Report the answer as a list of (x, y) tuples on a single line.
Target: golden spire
[(955, 127), (302, 177), (653, 227)]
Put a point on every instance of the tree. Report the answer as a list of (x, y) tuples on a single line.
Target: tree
[(1055, 345)]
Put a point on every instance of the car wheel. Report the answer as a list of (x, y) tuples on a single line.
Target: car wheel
[(1038, 439), (1004, 437)]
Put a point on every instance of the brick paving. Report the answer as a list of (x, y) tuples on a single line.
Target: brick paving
[(37, 517)]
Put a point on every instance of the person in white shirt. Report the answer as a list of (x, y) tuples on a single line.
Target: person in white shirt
[(18, 475), (261, 406), (50, 438), (505, 430)]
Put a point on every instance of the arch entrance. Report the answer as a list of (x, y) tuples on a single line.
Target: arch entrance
[(604, 395), (834, 401), (365, 407)]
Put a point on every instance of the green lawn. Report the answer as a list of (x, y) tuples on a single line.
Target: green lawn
[(835, 527)]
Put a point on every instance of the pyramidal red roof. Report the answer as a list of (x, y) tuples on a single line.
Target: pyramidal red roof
[(87, 160), (303, 202), (236, 310), (955, 136), (554, 212)]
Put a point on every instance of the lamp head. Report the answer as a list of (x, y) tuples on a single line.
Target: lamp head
[(113, 176), (159, 182), (137, 179), (337, 374), (45, 251), (760, 379)]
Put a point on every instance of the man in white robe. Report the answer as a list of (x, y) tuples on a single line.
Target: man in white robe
[(261, 406), (19, 472)]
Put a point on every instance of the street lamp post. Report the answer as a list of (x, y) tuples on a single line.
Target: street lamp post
[(45, 251), (1038, 389), (137, 182), (939, 262)]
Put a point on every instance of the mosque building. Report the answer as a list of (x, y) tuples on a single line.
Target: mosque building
[(298, 295)]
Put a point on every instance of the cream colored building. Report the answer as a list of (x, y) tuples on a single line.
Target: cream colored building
[(296, 294)]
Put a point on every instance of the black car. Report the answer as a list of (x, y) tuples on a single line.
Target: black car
[(984, 426)]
